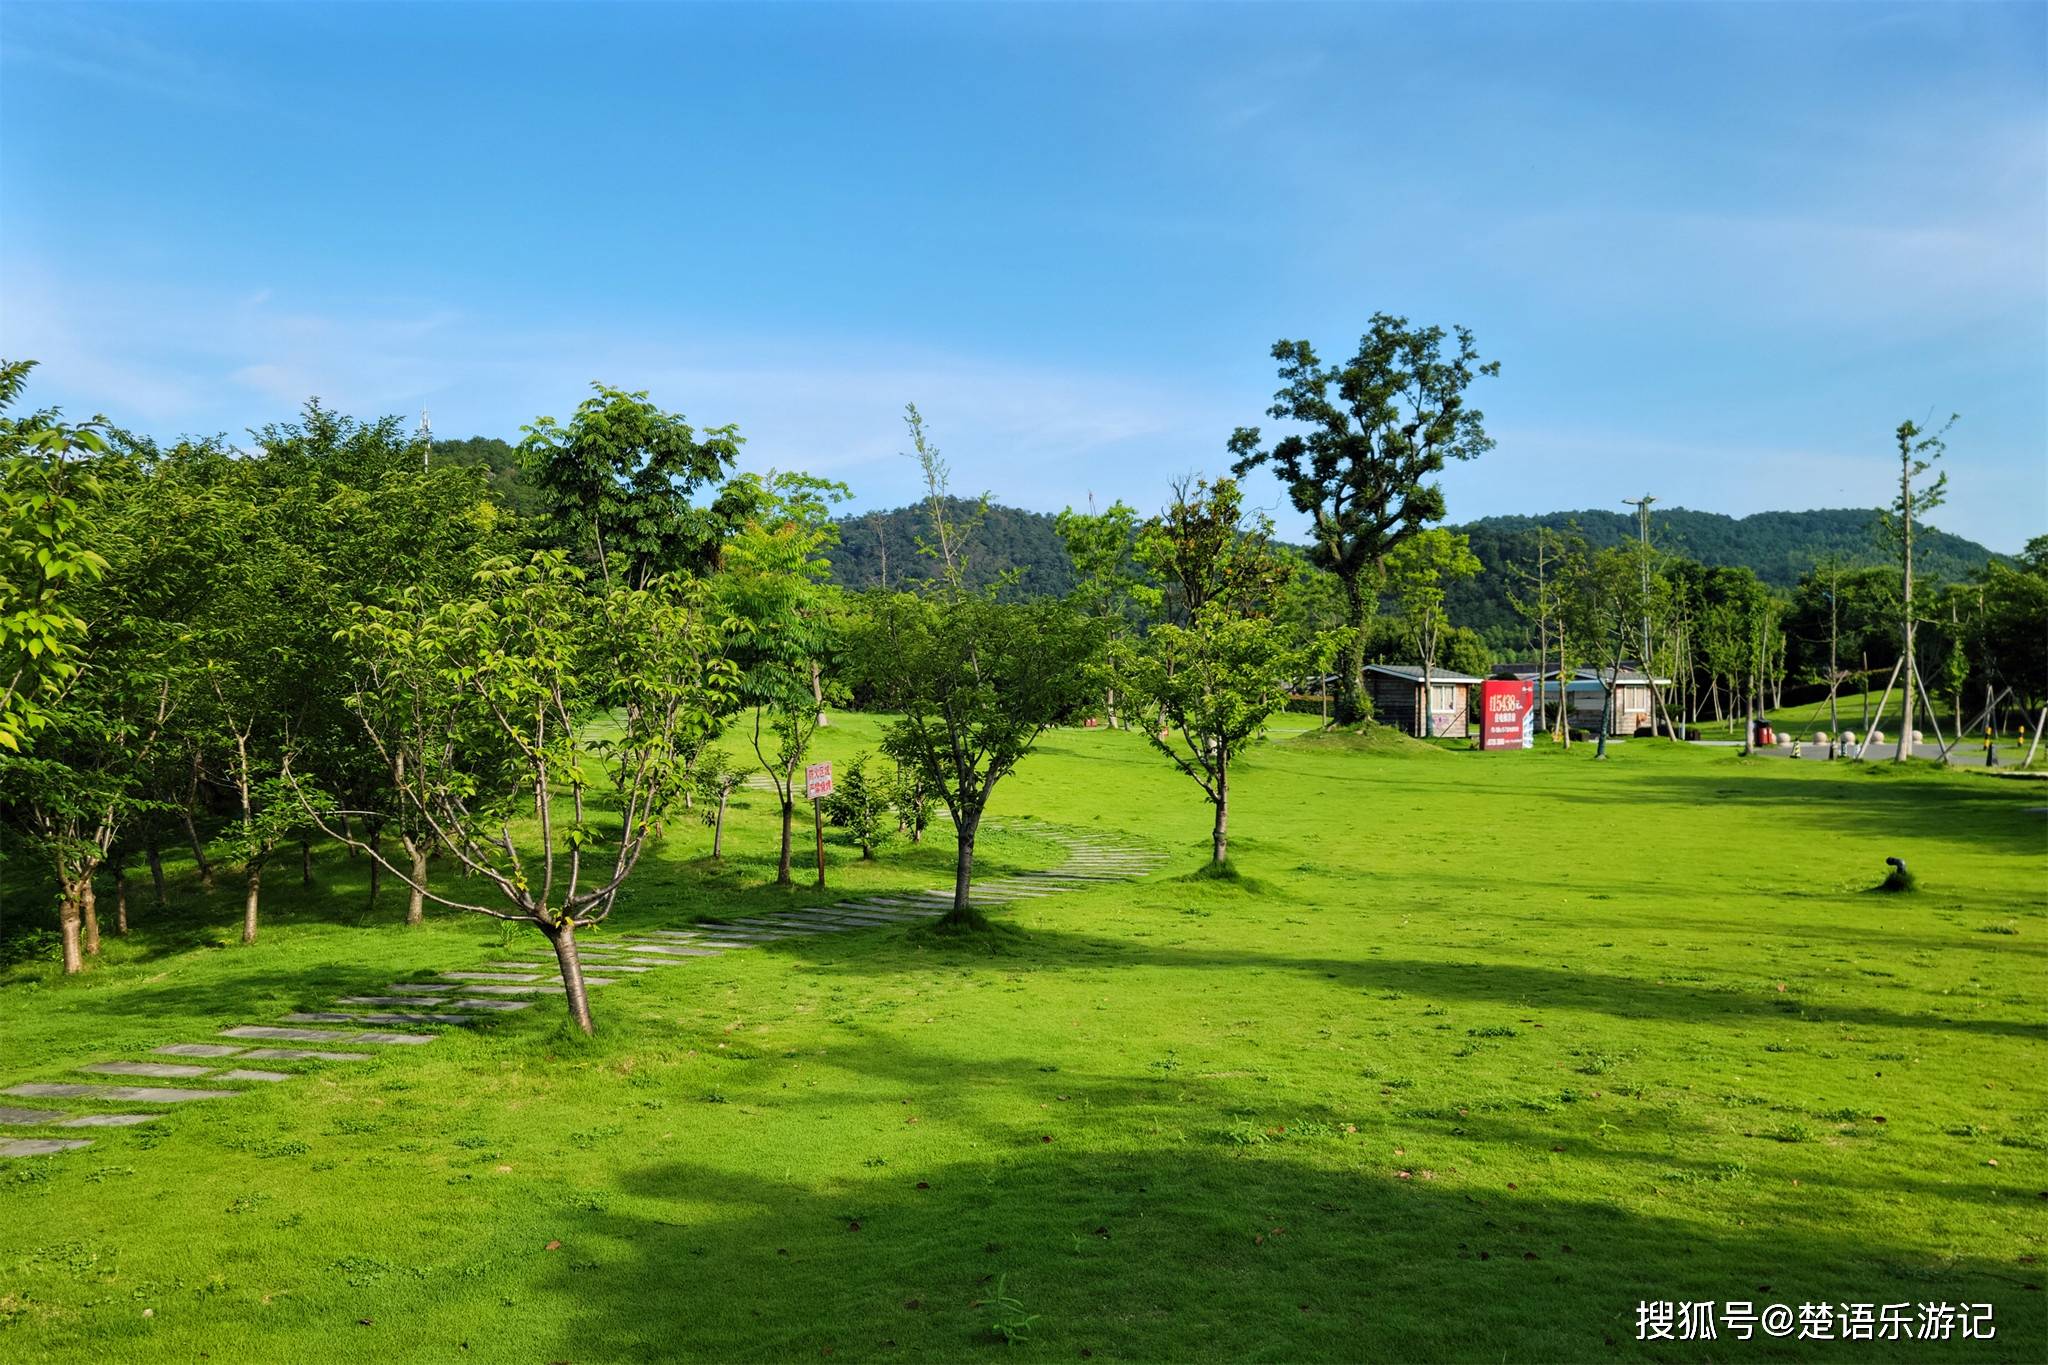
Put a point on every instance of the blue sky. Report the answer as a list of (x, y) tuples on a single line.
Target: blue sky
[(1720, 251)]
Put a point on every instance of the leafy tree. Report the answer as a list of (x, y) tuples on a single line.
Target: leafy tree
[(496, 712), (1918, 451), (976, 679), (910, 796), (2009, 634), (716, 777), (1379, 426), (1112, 588), (776, 606), (1217, 679), (44, 558), (616, 483), (1418, 571), (859, 804)]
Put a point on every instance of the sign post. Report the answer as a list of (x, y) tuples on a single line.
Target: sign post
[(1507, 714), (818, 786)]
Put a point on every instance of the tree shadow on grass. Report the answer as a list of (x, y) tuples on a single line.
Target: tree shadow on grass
[(1910, 808), (1494, 983), (1310, 1251)]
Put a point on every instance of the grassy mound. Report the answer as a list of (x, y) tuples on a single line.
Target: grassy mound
[(1367, 737)]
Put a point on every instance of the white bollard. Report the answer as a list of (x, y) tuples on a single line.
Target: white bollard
[(1918, 737), (1877, 736), (1820, 736)]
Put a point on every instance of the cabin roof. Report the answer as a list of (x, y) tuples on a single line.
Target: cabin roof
[(1413, 673)]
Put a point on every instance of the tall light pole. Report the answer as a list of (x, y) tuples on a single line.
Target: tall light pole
[(426, 439)]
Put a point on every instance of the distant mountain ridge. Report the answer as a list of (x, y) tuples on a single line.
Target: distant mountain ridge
[(1778, 546), (881, 546)]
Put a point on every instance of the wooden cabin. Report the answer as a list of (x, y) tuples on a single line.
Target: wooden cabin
[(1396, 694), (1585, 697)]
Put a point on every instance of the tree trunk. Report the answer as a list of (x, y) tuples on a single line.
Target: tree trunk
[(1607, 711), (718, 829), (192, 829), (250, 899), (416, 905), (67, 924), (305, 862), (1351, 706), (120, 898), (963, 911), (818, 695), (155, 856), (376, 843), (89, 913), (1428, 701), (1219, 838), (573, 990), (782, 877)]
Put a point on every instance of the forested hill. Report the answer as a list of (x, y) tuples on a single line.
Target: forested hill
[(1008, 539), (1778, 546)]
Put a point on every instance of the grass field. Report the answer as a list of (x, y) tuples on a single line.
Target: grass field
[(1482, 1050)]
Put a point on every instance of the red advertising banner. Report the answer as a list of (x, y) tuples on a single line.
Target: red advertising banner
[(1507, 714)]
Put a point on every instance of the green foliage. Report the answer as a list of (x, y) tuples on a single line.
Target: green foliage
[(44, 557), (778, 614), (615, 482), (1362, 468), (860, 804), (1418, 572), (1215, 680)]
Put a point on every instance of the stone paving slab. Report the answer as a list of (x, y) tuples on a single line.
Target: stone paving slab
[(320, 1017), (109, 1120), (135, 1094), (11, 1115), (196, 1050), (250, 1074), (424, 987), (668, 949), (40, 1146), (395, 1018), (693, 952), (470, 1002), (299, 1054), (393, 1000), (289, 1035), (488, 976), (396, 1039), (163, 1071), (499, 990)]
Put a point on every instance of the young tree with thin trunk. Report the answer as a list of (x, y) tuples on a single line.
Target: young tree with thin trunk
[(507, 714), (1112, 587), (1216, 676), (1918, 451), (716, 778), (1378, 427), (1418, 571), (777, 614), (975, 679)]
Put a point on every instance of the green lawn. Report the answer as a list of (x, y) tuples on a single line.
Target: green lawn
[(1483, 1050)]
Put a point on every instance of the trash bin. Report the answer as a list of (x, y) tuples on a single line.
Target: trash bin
[(1763, 736)]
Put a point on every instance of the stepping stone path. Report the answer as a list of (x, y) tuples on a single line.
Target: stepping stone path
[(469, 995)]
